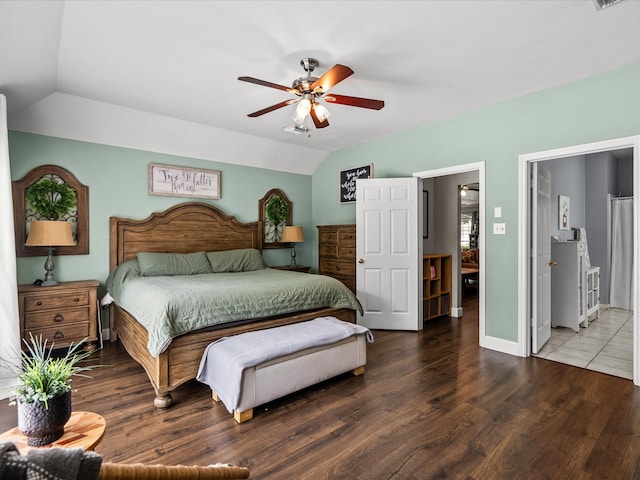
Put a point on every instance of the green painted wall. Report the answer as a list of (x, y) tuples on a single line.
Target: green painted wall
[(118, 184), (598, 108)]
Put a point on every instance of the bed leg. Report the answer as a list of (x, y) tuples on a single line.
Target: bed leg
[(163, 401), (215, 396), (243, 416), (358, 371)]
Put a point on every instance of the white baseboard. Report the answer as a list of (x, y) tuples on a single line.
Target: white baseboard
[(499, 345), (456, 312)]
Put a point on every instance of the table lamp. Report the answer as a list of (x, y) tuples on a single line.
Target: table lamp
[(50, 234), (292, 234)]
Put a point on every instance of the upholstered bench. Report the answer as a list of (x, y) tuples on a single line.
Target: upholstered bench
[(253, 368)]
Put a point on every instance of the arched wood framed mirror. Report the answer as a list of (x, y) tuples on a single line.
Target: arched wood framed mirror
[(274, 211), (24, 214)]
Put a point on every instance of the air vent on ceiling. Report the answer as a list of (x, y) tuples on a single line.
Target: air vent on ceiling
[(600, 4)]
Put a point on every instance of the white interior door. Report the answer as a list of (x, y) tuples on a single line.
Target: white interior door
[(389, 252), (541, 257)]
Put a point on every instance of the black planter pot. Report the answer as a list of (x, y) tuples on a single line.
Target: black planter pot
[(43, 426)]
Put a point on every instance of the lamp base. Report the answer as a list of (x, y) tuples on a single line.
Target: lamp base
[(293, 255), (49, 280)]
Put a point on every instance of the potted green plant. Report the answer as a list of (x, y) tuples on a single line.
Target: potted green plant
[(276, 210), (44, 393)]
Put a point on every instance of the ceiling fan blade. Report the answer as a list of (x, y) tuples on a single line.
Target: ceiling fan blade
[(316, 120), (354, 101), (264, 83), (272, 108), (331, 77)]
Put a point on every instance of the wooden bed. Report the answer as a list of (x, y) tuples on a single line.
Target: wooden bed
[(185, 228)]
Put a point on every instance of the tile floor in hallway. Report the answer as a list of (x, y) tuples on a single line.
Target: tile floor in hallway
[(604, 346)]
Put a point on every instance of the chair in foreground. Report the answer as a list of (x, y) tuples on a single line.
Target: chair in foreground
[(113, 471)]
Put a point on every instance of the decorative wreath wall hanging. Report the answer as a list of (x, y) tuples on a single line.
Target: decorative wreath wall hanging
[(51, 199)]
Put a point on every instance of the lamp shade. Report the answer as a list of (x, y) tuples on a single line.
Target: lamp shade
[(50, 233), (292, 234)]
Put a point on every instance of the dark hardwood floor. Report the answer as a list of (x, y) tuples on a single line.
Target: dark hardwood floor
[(431, 405)]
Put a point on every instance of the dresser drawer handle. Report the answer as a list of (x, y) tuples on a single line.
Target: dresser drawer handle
[(58, 335), (58, 318), (39, 303), (76, 299), (337, 267)]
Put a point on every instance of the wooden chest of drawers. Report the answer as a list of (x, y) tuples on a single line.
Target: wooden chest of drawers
[(62, 313), (337, 253)]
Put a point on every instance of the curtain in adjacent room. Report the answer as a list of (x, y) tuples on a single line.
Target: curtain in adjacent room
[(621, 287), (9, 324)]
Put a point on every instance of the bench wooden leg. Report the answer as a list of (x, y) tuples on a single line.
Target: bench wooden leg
[(238, 416), (358, 371), (243, 416)]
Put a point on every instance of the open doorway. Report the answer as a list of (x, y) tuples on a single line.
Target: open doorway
[(469, 234), (596, 192), (444, 227)]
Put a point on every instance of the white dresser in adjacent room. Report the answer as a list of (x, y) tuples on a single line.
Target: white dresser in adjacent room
[(568, 285)]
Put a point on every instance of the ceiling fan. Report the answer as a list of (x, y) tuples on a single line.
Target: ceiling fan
[(470, 187), (310, 90)]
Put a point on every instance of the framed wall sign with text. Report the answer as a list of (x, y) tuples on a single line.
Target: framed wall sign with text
[(183, 181), (348, 181)]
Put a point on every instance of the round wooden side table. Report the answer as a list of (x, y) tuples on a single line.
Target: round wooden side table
[(84, 429)]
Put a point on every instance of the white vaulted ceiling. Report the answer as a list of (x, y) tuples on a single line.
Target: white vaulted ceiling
[(162, 75)]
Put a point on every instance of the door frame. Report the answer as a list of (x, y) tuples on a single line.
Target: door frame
[(479, 167), (524, 234)]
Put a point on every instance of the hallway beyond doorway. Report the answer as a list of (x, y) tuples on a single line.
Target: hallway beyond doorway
[(605, 346)]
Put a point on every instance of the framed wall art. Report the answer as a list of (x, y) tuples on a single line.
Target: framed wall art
[(348, 181), (425, 214), (563, 212), (174, 181)]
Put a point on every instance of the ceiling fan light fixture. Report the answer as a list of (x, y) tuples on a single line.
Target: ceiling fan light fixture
[(302, 110), (463, 190), (321, 112)]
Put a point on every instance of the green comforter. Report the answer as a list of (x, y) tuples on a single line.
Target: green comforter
[(169, 306)]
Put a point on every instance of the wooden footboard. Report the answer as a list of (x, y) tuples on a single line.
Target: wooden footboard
[(180, 361)]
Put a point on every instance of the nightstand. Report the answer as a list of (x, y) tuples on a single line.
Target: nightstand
[(62, 313), (293, 268)]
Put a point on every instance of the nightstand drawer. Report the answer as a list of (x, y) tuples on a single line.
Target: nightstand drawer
[(56, 317), (63, 334), (46, 302)]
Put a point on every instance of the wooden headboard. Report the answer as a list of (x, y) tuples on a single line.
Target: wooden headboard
[(184, 228)]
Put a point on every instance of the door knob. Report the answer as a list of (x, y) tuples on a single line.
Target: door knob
[(552, 263), (361, 260)]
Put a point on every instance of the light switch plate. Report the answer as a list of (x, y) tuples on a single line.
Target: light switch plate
[(499, 229), (497, 212)]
